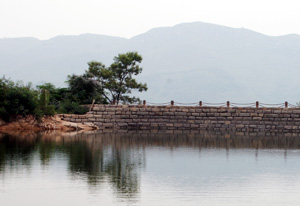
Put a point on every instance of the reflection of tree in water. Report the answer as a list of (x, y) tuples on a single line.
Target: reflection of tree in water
[(83, 159), (122, 170), (15, 152), (117, 157), (100, 162), (97, 161), (46, 150)]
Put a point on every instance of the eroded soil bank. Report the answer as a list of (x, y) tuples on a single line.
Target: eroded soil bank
[(44, 124)]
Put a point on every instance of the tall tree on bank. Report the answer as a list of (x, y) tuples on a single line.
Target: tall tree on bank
[(117, 82)]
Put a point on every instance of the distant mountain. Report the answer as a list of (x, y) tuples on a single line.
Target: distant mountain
[(186, 63)]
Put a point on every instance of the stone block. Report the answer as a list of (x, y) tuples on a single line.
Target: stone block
[(225, 114), (227, 122), (96, 108), (180, 113), (257, 118), (118, 112), (296, 111), (98, 124), (89, 115), (271, 115), (240, 126), (195, 126), (108, 125), (202, 126), (178, 124), (245, 115), (191, 121), (222, 110), (133, 116), (288, 127), (162, 124)]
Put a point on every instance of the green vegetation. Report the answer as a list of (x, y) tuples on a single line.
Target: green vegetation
[(92, 161), (17, 99), (112, 84)]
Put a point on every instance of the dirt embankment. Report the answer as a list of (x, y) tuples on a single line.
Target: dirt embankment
[(44, 124)]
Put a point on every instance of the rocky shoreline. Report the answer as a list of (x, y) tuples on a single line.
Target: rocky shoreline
[(45, 124)]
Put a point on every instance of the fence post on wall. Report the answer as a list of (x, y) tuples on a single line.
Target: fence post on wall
[(286, 104), (200, 103), (144, 102), (172, 103), (228, 104), (92, 105), (257, 104)]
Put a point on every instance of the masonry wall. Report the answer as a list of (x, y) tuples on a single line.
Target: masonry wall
[(191, 118)]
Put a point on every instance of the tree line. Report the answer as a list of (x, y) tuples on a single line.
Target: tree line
[(105, 85)]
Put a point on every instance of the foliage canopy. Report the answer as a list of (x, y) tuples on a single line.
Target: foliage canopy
[(116, 82), (113, 84)]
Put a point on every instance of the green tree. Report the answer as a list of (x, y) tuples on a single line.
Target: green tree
[(56, 95), (116, 82), (17, 99), (64, 100), (84, 90)]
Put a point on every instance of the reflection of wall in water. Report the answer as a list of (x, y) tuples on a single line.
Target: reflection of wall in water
[(117, 157), (99, 140), (189, 139)]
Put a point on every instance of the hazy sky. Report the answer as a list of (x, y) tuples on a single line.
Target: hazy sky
[(47, 18)]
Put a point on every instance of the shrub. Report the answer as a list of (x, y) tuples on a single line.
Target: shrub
[(69, 107), (17, 99)]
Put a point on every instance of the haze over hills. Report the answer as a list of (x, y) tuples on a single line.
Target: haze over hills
[(186, 63)]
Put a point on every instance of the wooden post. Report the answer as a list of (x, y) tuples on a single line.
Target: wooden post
[(257, 104), (46, 100), (286, 104), (144, 102), (91, 107), (172, 103), (228, 104), (200, 103)]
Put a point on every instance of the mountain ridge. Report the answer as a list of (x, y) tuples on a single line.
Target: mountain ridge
[(221, 62)]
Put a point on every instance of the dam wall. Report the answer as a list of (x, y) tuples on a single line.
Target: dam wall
[(229, 119)]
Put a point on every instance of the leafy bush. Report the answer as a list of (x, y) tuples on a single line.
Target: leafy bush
[(69, 107), (49, 110), (62, 100), (17, 99), (55, 95)]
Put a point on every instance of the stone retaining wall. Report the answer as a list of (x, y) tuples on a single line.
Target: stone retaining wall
[(191, 118)]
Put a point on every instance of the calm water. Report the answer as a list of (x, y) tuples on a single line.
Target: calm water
[(157, 168)]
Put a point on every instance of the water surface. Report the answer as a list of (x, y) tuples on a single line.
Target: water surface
[(149, 168)]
